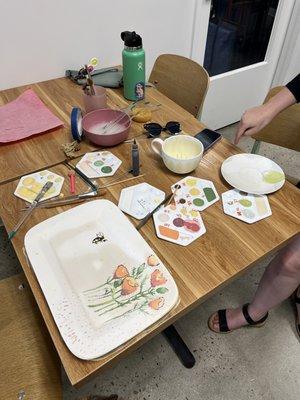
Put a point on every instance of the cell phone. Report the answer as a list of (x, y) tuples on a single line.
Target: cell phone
[(208, 138)]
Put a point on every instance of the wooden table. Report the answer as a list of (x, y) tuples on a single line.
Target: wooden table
[(226, 251), (60, 96)]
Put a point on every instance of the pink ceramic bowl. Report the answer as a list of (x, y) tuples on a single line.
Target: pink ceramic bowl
[(116, 132)]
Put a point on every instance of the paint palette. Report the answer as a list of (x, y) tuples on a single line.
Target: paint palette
[(99, 164), (249, 208), (178, 225), (139, 200), (195, 192), (30, 185)]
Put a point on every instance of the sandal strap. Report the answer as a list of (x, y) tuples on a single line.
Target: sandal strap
[(223, 321), (249, 319)]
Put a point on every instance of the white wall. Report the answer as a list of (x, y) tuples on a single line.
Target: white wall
[(40, 39), (289, 61)]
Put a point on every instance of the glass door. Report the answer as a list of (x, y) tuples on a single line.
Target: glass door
[(238, 42)]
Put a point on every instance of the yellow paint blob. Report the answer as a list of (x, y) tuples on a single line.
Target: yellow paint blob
[(194, 192), (273, 177), (36, 187), (27, 193), (194, 213), (28, 181), (191, 182)]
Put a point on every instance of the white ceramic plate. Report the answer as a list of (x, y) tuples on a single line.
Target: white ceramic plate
[(102, 281), (252, 173)]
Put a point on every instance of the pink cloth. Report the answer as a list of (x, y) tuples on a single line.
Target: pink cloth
[(24, 117)]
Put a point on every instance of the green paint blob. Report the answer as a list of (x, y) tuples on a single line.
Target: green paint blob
[(198, 202), (245, 202), (106, 169), (273, 177), (209, 194), (98, 163)]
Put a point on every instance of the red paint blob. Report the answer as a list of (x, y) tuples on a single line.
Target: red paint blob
[(192, 226)]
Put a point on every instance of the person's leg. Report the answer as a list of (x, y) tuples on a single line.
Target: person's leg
[(279, 281)]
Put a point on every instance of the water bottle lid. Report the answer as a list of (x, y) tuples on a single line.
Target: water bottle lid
[(131, 39)]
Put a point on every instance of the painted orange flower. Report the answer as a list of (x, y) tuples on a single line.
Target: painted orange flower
[(152, 260), (129, 285), (121, 272), (156, 303), (157, 278)]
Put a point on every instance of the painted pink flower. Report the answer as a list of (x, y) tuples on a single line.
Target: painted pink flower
[(156, 303), (157, 278)]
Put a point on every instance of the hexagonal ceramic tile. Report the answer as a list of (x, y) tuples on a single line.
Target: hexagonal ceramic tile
[(195, 192), (30, 185), (181, 225), (139, 200), (247, 207), (99, 164)]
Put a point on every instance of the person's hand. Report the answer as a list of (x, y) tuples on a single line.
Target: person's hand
[(253, 120)]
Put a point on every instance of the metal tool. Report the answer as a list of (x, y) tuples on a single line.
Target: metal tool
[(40, 195)]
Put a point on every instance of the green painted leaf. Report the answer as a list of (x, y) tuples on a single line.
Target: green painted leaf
[(162, 290), (117, 283), (141, 269)]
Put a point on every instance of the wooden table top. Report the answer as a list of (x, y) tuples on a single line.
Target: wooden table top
[(228, 248), (60, 96)]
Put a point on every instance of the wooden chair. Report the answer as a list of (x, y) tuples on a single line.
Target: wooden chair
[(182, 80), (29, 367), (283, 130)]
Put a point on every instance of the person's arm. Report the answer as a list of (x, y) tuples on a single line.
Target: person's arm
[(255, 119)]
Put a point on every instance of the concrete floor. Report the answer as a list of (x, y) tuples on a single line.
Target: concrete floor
[(247, 364)]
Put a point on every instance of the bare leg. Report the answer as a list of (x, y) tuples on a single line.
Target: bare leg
[(279, 281)]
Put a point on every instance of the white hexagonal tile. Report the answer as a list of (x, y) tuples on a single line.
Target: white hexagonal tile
[(181, 225), (139, 200), (195, 192), (247, 207), (30, 185), (99, 164)]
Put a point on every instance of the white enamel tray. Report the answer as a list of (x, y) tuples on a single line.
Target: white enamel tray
[(252, 173), (102, 281)]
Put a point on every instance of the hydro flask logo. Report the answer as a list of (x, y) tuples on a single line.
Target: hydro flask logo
[(140, 66)]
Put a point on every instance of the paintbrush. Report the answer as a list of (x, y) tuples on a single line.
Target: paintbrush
[(149, 215), (173, 195), (32, 206), (122, 181)]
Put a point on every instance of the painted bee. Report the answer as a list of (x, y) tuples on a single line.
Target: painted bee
[(99, 238)]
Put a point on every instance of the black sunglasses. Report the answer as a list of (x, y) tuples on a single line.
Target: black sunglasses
[(155, 129)]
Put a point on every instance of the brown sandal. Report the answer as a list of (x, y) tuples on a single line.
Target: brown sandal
[(223, 320)]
